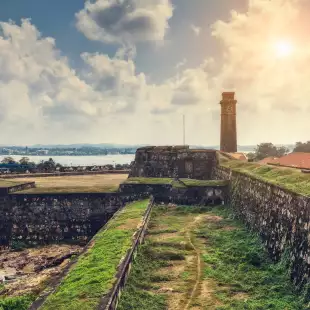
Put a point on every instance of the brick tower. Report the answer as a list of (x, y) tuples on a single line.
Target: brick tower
[(228, 123)]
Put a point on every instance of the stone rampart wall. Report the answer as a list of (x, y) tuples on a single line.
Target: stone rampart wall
[(43, 219), (194, 195), (279, 216), (173, 161), (12, 189)]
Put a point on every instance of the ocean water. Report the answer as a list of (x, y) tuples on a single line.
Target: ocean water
[(80, 160)]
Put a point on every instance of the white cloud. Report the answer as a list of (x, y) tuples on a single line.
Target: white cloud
[(125, 21), (196, 30), (40, 94), (181, 64), (270, 89)]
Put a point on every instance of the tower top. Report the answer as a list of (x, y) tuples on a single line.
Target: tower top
[(228, 95)]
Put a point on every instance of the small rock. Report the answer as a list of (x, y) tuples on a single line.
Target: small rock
[(166, 290)]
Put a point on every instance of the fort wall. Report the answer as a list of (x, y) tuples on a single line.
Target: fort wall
[(48, 218), (173, 161), (279, 216)]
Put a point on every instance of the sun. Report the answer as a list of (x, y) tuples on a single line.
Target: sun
[(283, 48)]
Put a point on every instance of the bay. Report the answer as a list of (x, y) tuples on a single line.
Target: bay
[(80, 160)]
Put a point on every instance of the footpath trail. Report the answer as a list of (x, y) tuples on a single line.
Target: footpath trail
[(189, 230), (201, 258)]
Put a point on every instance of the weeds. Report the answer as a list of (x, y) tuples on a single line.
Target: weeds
[(16, 303)]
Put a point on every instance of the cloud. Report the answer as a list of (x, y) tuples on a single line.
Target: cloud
[(39, 92), (196, 30), (255, 70), (125, 21), (42, 97), (181, 64)]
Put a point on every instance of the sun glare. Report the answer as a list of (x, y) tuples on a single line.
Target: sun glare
[(283, 49)]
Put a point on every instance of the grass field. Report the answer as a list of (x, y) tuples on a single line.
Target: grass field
[(200, 258), (13, 182), (95, 271), (79, 183)]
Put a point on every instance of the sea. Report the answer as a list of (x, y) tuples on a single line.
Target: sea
[(99, 160)]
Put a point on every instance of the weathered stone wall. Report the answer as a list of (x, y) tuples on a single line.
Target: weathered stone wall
[(42, 219), (172, 161), (281, 217), (194, 195), (221, 173)]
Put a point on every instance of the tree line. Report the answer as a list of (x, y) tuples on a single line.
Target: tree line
[(50, 165), (268, 149)]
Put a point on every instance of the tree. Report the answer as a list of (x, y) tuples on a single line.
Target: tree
[(24, 161), (302, 147), (264, 150), (251, 156), (8, 160), (47, 166)]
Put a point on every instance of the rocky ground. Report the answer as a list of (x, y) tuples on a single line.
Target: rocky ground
[(29, 270)]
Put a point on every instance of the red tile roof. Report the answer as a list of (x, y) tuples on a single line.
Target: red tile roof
[(269, 160), (240, 156), (297, 160)]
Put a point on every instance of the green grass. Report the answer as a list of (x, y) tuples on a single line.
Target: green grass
[(140, 290), (236, 260), (148, 181), (16, 303), (94, 273), (185, 182), (78, 189), (288, 178), (137, 294), (237, 271), (191, 182)]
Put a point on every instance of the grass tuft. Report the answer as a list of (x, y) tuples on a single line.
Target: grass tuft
[(16, 303)]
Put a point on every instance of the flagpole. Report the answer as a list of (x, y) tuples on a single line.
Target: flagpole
[(183, 129)]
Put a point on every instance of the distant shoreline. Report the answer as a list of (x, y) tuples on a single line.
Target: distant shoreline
[(79, 160)]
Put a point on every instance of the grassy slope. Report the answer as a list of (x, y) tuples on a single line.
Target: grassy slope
[(94, 273), (287, 178), (191, 182), (148, 181), (237, 273)]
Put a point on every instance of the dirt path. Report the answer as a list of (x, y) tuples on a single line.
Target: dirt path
[(189, 228)]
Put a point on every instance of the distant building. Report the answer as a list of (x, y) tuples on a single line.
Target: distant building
[(269, 160), (42, 152), (295, 160)]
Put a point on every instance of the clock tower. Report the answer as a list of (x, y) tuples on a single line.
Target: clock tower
[(228, 123)]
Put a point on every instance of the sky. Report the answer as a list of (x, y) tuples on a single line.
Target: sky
[(125, 71)]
